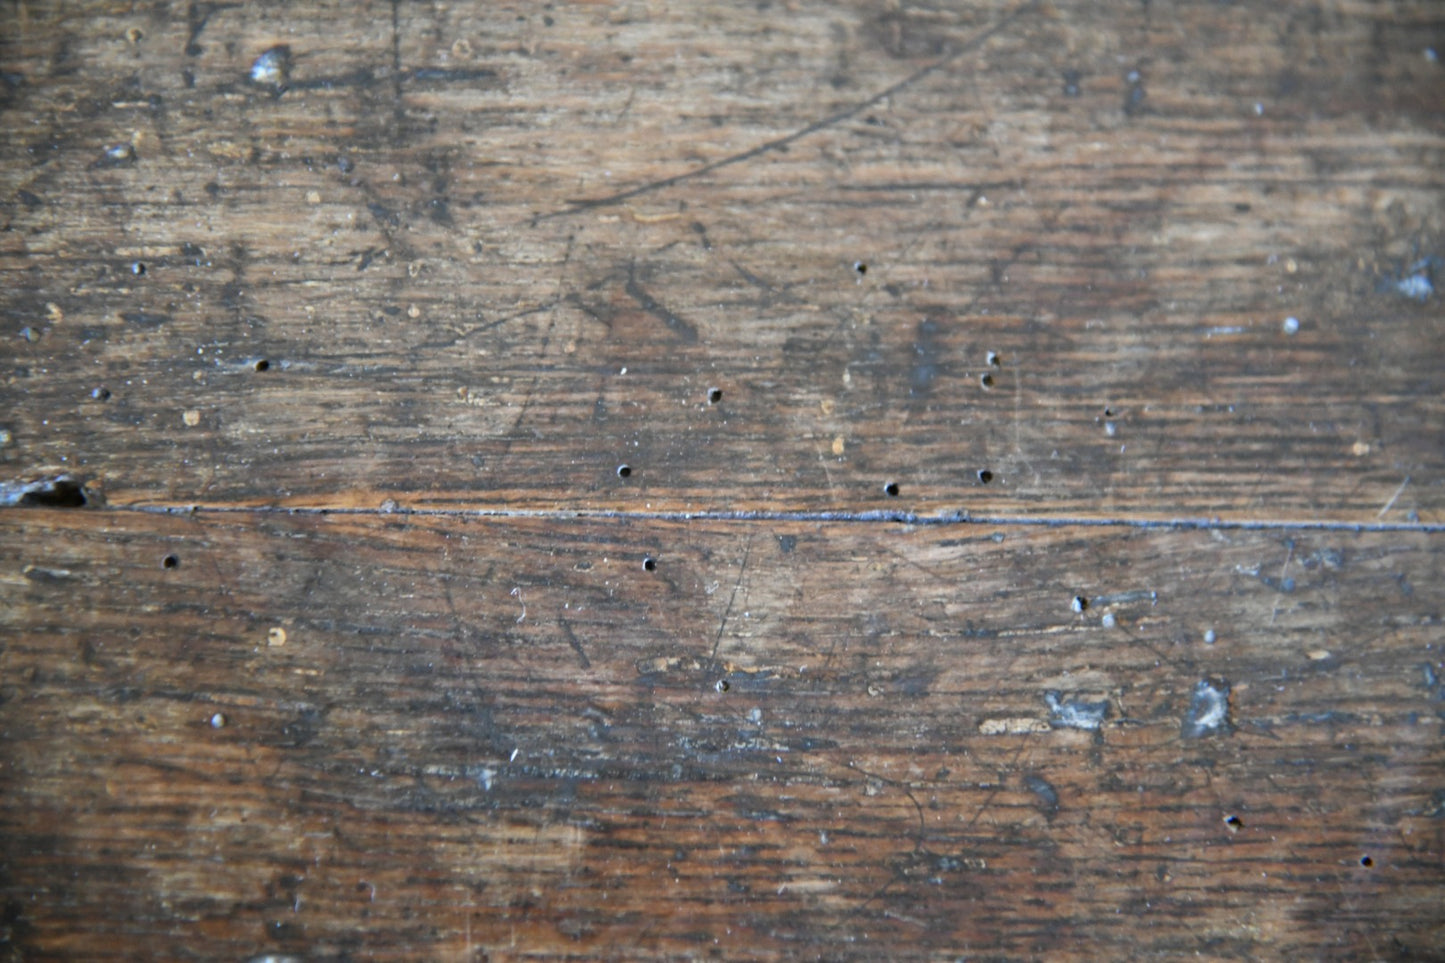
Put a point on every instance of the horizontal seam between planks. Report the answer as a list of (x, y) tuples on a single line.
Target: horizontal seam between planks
[(879, 516)]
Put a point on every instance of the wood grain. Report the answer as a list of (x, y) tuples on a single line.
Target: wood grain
[(741, 480), (334, 737), (451, 235)]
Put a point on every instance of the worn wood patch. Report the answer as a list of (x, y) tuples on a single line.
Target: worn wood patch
[(1027, 259), (328, 736)]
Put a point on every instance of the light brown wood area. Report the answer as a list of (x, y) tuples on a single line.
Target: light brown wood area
[(767, 480)]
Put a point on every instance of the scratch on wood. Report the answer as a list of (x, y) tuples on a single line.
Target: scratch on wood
[(727, 612), (1393, 498), (197, 16), (837, 117), (657, 309), (576, 644)]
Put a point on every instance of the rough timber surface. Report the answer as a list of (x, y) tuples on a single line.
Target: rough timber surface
[(331, 737), (450, 229), (1132, 302)]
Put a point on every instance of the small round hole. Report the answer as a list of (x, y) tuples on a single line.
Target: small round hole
[(1108, 412), (860, 267), (1366, 862), (984, 476), (986, 380), (1234, 822), (170, 561), (262, 365), (891, 489), (1079, 604), (649, 564), (138, 269), (100, 394), (722, 685), (624, 471), (994, 361), (714, 395)]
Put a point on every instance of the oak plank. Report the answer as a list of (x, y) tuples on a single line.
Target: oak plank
[(450, 235), (484, 738)]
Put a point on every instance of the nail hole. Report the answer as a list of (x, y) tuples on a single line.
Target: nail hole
[(722, 685), (1234, 822), (100, 394), (649, 564), (891, 489), (986, 380), (1366, 862), (993, 360), (624, 471), (714, 395), (985, 476), (1080, 603), (138, 269), (170, 561), (1108, 412), (860, 267), (262, 365)]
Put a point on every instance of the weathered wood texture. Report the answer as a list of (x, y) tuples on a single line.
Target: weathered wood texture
[(449, 229), (433, 738), (437, 271)]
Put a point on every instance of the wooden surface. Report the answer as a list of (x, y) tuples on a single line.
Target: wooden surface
[(1030, 541)]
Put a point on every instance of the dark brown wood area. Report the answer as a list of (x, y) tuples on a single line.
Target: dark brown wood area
[(764, 480)]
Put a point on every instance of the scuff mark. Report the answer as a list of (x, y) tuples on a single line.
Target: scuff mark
[(145, 319), (58, 491), (40, 573), (1012, 726), (1044, 792)]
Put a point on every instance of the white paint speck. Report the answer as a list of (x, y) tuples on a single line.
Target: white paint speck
[(1075, 715), (1213, 713), (1416, 286), (272, 67), (1291, 324), (1208, 712), (1209, 637)]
